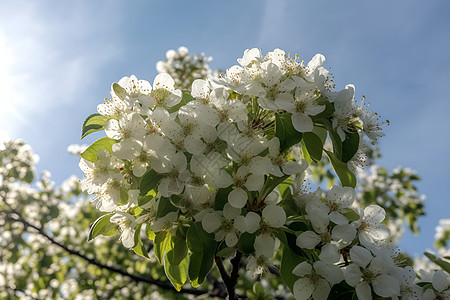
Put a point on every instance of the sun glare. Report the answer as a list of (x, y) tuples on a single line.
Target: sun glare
[(9, 97)]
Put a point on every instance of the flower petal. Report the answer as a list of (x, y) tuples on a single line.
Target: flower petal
[(439, 281), (237, 198), (252, 221), (374, 214), (211, 222), (308, 240), (352, 275), (332, 273), (363, 291), (274, 216), (302, 269), (303, 289), (302, 122), (386, 286), (360, 256), (329, 254)]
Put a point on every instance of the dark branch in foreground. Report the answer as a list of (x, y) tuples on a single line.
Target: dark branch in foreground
[(159, 283), (230, 280)]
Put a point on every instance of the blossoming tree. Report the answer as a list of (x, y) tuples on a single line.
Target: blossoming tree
[(219, 172), (251, 176)]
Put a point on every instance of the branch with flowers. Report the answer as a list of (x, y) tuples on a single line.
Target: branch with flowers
[(45, 254), (219, 172)]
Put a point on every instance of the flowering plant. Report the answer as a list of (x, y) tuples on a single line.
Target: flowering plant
[(221, 171)]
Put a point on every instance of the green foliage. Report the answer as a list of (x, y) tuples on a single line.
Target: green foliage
[(314, 145), (93, 123), (149, 181), (173, 252), (258, 293), (102, 226), (165, 206), (203, 247), (442, 241), (118, 90), (186, 98), (289, 261), (285, 132), (104, 143), (245, 243), (163, 244), (178, 250), (346, 176), (334, 136), (139, 247), (350, 146), (445, 265), (177, 273)]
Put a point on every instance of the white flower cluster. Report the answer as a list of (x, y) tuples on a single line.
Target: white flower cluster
[(395, 190), (442, 232), (17, 161), (219, 155), (184, 67)]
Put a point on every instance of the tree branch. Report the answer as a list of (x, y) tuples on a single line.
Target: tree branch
[(230, 280), (159, 283)]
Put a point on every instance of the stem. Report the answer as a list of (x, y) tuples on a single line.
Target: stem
[(230, 280)]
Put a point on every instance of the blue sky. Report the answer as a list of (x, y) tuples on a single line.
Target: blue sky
[(59, 58)]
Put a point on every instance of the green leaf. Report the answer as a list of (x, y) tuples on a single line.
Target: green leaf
[(246, 241), (342, 291), (93, 123), (165, 206), (221, 198), (177, 274), (176, 200), (305, 152), (149, 181), (123, 196), (328, 111), (162, 244), (143, 200), (102, 226), (285, 132), (258, 289), (271, 183), (321, 132), (283, 187), (279, 234), (351, 215), (202, 246), (346, 176), (288, 204), (118, 90), (350, 146), (314, 145), (226, 252), (149, 232), (335, 138), (289, 260), (139, 248), (186, 98), (90, 153), (178, 251), (441, 263)]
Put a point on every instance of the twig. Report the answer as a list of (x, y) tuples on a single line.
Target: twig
[(230, 280), (159, 283)]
